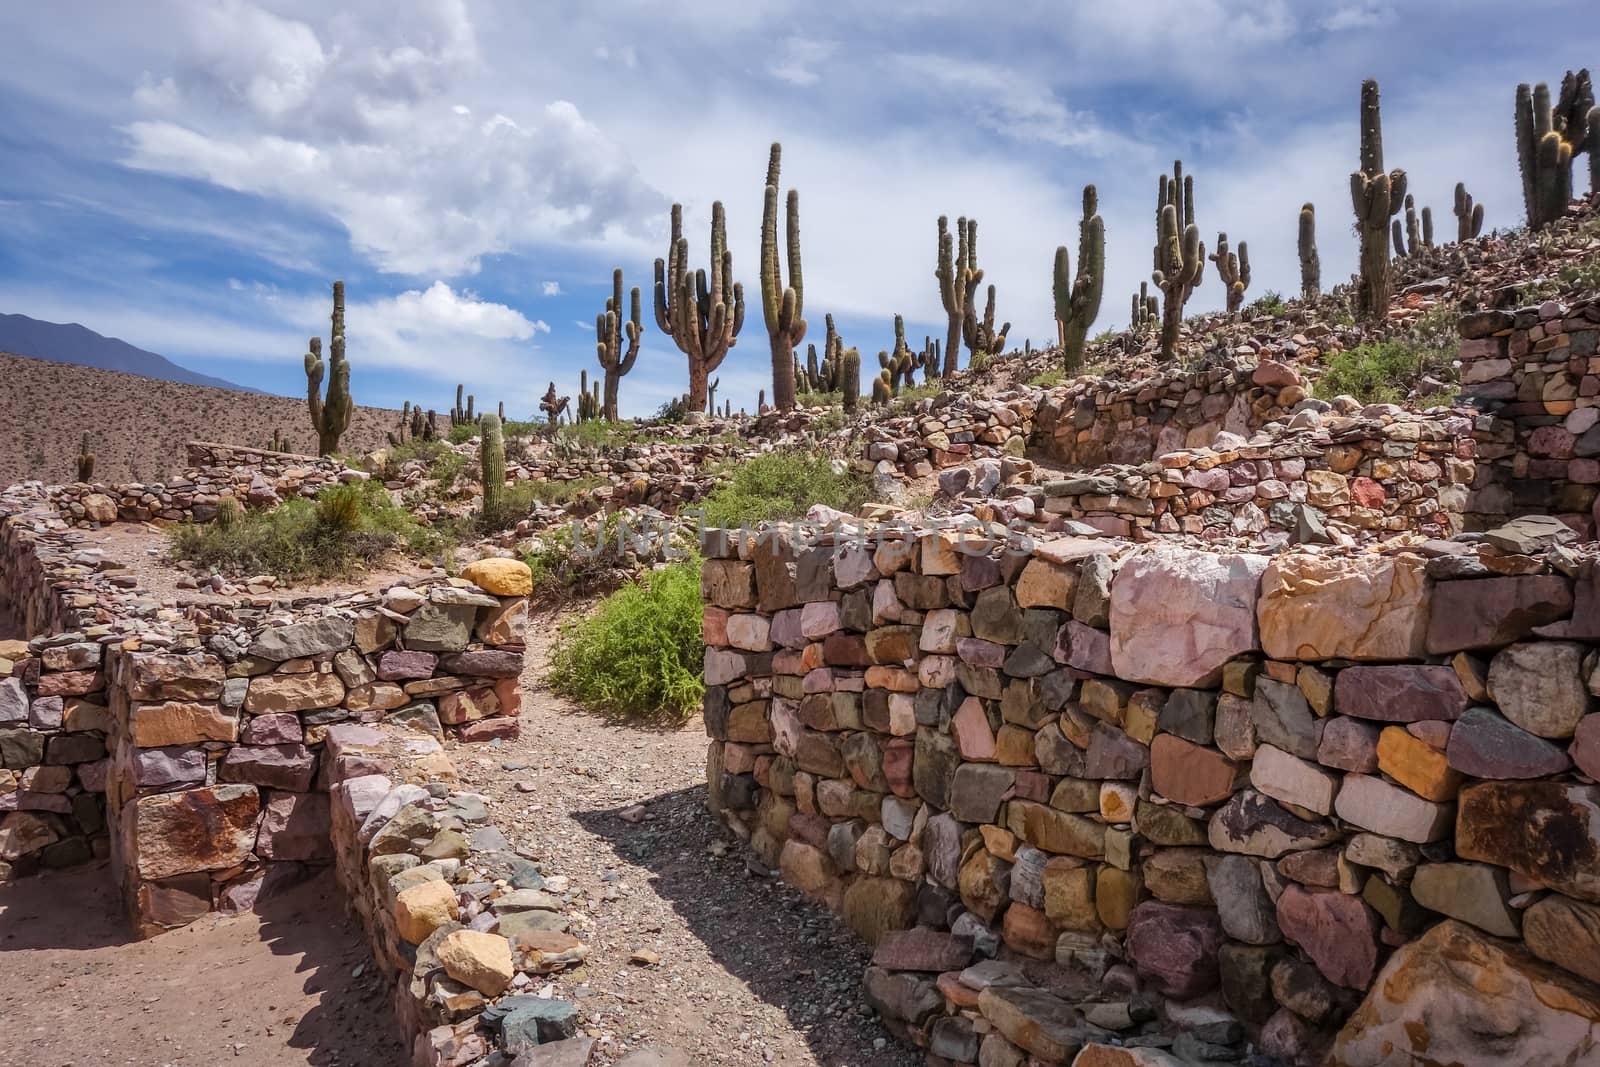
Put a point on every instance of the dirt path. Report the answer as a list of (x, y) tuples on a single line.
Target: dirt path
[(294, 985), (749, 972)]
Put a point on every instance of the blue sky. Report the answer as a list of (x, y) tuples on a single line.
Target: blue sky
[(189, 176)]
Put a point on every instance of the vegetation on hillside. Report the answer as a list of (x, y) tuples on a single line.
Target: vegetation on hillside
[(782, 485)]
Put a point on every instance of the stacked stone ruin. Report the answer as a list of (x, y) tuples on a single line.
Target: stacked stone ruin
[(1166, 800)]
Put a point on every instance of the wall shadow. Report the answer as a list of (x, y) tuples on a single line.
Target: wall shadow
[(76, 910)]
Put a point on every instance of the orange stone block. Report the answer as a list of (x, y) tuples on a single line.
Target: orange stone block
[(1417, 765)]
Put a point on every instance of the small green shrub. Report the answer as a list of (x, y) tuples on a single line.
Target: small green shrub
[(909, 398), (345, 529), (1270, 303), (782, 485), (1379, 372), (519, 498), (639, 654), (595, 434), (463, 432), (446, 467), (1048, 379)]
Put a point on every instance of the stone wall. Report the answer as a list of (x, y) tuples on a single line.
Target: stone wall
[(53, 726), (955, 428), (1535, 373), (462, 927), (1176, 798), (1094, 421), (222, 754)]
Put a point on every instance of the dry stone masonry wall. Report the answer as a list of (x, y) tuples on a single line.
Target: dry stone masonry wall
[(1111, 795)]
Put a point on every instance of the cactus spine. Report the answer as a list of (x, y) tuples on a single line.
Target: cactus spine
[(1376, 196), (959, 277), (782, 305), (702, 318), (608, 331), (1180, 255), (85, 461), (1469, 216), (1233, 269), (850, 379), (1548, 139), (1310, 262), (330, 415), (1077, 299), (492, 457)]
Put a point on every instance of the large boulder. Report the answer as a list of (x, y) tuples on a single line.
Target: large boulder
[(1548, 831), (1456, 995), (1343, 607), (1178, 615), (207, 829)]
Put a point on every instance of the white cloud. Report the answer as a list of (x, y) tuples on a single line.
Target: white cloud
[(626, 55), (801, 56), (551, 288), (1016, 103), (1365, 15), (367, 127)]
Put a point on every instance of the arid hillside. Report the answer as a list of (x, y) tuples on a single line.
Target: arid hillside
[(137, 426)]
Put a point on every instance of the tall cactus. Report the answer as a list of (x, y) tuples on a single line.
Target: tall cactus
[(1077, 299), (1469, 215), (1310, 262), (1146, 311), (981, 336), (85, 460), (588, 403), (930, 358), (850, 379), (1413, 238), (702, 318), (458, 414), (959, 277), (1233, 269), (330, 415), (711, 395), (782, 305), (1548, 139), (1180, 255), (492, 457), (608, 330), (1376, 196)]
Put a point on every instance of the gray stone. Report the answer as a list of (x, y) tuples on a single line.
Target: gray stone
[(302, 639), (1247, 912), (1283, 718), (438, 627)]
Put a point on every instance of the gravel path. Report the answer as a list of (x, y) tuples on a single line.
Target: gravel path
[(749, 971)]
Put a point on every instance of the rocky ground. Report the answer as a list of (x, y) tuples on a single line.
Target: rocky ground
[(293, 985), (693, 948)]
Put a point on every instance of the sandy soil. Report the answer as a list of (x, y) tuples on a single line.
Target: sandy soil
[(293, 985)]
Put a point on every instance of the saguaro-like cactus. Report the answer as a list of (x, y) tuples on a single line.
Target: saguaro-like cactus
[(782, 305), (1077, 299), (330, 415), (85, 460), (930, 358), (608, 330), (492, 457), (711, 396), (881, 392), (1310, 262), (1146, 311), (553, 405), (850, 379), (1414, 237), (1376, 195), (1469, 215), (462, 412), (1180, 255), (702, 318), (588, 403), (1233, 269), (959, 277), (1547, 140), (981, 336)]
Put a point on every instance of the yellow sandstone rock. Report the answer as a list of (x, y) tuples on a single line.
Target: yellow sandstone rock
[(502, 577), (422, 909)]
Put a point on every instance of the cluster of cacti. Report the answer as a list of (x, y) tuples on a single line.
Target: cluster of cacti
[(85, 460), (930, 358), (1146, 311), (1376, 195), (821, 377), (1180, 255), (1233, 269), (850, 379), (881, 391), (330, 415), (492, 458), (554, 406), (430, 429), (588, 401), (609, 329), (1469, 215), (463, 414), (902, 364), (1548, 138), (699, 315), (981, 336), (1310, 262), (278, 443), (1414, 237), (783, 306), (1077, 297)]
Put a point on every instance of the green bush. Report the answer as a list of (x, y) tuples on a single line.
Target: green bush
[(344, 530), (1380, 372), (781, 486), (639, 654), (1270, 303), (461, 433), (520, 497), (1048, 379)]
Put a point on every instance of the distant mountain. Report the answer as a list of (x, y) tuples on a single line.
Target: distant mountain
[(71, 343)]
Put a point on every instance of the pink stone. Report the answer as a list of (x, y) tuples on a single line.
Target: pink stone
[(1084, 647), (1336, 930), (971, 729), (1349, 745), (279, 728), (1367, 493), (897, 760), (295, 826), (1552, 441), (397, 666), (1175, 948), (1585, 749)]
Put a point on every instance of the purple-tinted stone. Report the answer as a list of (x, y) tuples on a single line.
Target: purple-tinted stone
[(397, 666), (1400, 693), (1485, 745), (1175, 948)]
